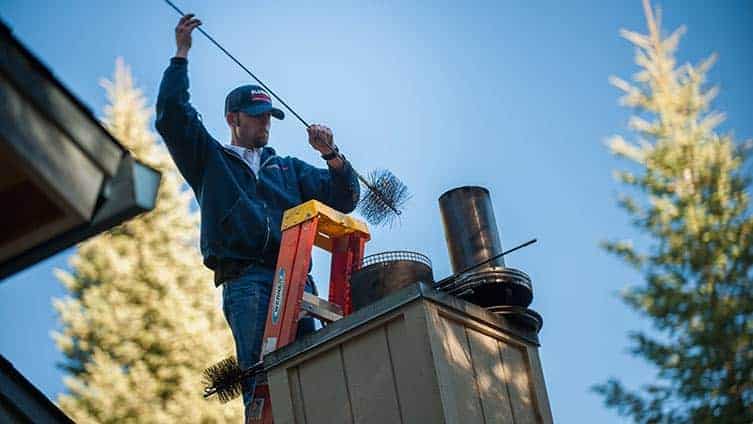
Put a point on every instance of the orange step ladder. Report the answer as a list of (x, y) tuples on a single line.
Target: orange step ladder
[(307, 225)]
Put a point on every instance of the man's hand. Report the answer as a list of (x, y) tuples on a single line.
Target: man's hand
[(186, 24), (321, 139)]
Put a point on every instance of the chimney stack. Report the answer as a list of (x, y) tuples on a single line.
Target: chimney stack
[(470, 228), (472, 237)]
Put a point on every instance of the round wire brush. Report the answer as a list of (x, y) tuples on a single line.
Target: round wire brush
[(384, 197), (224, 378)]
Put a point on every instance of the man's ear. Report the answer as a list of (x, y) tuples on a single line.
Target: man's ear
[(231, 119)]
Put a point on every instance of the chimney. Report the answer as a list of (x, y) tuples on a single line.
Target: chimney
[(471, 235)]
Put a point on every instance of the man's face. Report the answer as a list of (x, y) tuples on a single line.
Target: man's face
[(249, 131)]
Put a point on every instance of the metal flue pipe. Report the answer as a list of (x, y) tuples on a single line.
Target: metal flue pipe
[(470, 228)]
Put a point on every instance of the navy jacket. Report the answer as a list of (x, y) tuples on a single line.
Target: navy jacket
[(241, 213)]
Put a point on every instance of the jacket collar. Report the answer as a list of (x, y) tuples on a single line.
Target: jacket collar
[(267, 153)]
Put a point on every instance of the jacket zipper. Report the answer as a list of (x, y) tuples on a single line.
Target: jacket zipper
[(269, 230), (266, 237)]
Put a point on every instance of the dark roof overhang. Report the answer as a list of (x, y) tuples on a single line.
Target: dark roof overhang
[(63, 176), (20, 401)]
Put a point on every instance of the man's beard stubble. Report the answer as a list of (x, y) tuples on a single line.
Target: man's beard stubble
[(260, 140)]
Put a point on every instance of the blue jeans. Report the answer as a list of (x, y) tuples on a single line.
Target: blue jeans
[(244, 301)]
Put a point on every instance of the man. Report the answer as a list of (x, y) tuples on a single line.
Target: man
[(242, 190)]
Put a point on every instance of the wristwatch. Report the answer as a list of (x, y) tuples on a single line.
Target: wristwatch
[(331, 155)]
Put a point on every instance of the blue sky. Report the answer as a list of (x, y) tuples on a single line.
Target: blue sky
[(510, 96)]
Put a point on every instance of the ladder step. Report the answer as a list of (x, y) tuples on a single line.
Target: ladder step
[(320, 308)]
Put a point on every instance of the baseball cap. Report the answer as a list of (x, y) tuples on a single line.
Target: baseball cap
[(252, 100)]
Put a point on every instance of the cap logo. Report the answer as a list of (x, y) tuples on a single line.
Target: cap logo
[(260, 96)]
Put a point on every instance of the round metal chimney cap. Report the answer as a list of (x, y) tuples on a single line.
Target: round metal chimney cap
[(395, 255), (387, 272)]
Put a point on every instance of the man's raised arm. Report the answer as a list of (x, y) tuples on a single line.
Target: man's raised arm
[(177, 121)]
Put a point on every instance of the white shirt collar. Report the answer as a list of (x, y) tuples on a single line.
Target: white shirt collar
[(252, 157)]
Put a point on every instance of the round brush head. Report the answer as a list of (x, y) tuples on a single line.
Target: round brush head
[(223, 379), (383, 199)]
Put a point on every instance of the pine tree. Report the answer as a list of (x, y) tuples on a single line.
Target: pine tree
[(142, 318), (689, 198)]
